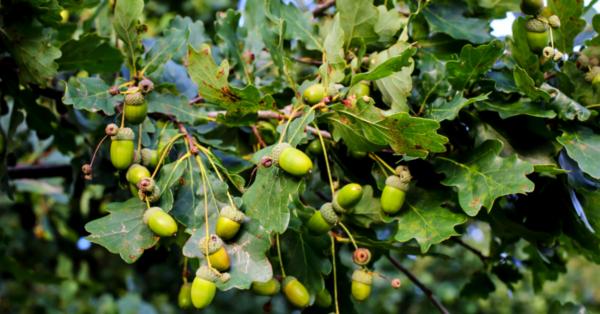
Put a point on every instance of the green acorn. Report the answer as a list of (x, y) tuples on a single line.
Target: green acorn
[(322, 220), (134, 175), (532, 7), (229, 222), (394, 193), (268, 132), (361, 285), (218, 256), (291, 160), (591, 76), (185, 296), (323, 299), (346, 198), (121, 149), (160, 222), (561, 255), (204, 287), (136, 106), (295, 292), (537, 35), (314, 94), (315, 148), (269, 288), (360, 90)]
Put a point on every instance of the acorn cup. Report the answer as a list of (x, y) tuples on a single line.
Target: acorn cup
[(322, 220), (136, 106), (204, 287), (121, 148), (218, 256), (346, 198), (185, 296), (362, 257), (295, 292), (323, 299), (134, 174), (269, 288), (160, 222), (394, 193), (361, 285), (229, 222), (314, 94), (537, 35), (291, 160)]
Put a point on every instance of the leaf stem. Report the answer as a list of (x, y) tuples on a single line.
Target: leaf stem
[(382, 162), (203, 174), (287, 125), (279, 254), (166, 150), (130, 92), (319, 105), (349, 235), (147, 202), (184, 269), (123, 117), (380, 165), (140, 140), (326, 158), (335, 293), (378, 275), (204, 151)]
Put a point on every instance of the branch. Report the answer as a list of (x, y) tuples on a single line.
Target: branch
[(182, 129), (322, 7), (324, 134), (323, 196), (41, 171), (260, 139), (313, 62), (550, 75), (414, 279), (262, 114), (482, 257)]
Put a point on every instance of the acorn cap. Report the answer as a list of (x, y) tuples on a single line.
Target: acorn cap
[(146, 86), (583, 62), (125, 134), (233, 214), (362, 277), (149, 212), (152, 196), (214, 244), (328, 213), (396, 182), (146, 185), (287, 280), (146, 157), (224, 277), (594, 61), (137, 157), (277, 286), (206, 273), (135, 99), (276, 152), (548, 52), (589, 76), (558, 56), (536, 26), (336, 206), (112, 129), (554, 21)]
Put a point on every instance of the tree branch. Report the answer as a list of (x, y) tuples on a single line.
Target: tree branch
[(260, 139), (40, 171), (324, 134), (262, 114), (322, 7), (423, 288), (482, 257), (313, 62), (323, 196)]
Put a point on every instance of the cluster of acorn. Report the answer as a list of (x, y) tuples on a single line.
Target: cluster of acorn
[(537, 29), (588, 62)]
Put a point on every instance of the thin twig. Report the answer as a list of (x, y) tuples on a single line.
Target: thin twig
[(323, 196), (195, 100), (262, 114), (549, 75), (322, 7), (193, 148), (260, 139), (324, 134), (313, 62), (482, 257), (419, 284)]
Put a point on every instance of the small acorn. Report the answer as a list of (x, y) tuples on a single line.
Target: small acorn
[(558, 56), (224, 278), (121, 149), (295, 292), (185, 296), (146, 185), (554, 22), (86, 169), (137, 157), (360, 90), (114, 91), (532, 7), (229, 222), (152, 195), (594, 61), (111, 129), (396, 283), (323, 299), (548, 52), (583, 62), (134, 175), (361, 285), (269, 288), (291, 160), (204, 287), (322, 220), (136, 106), (394, 193), (315, 148), (268, 132), (561, 255), (218, 256), (314, 94), (346, 198), (362, 257), (593, 76), (537, 35), (146, 86), (160, 222)]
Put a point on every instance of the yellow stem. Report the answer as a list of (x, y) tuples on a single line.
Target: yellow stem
[(326, 159), (380, 165), (203, 173), (287, 125), (349, 235), (130, 92), (140, 140), (184, 269), (320, 105), (166, 150), (279, 254), (383, 162), (337, 308), (123, 117), (147, 203), (206, 151)]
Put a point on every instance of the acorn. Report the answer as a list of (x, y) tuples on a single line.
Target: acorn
[(224, 278), (532, 7), (136, 106), (218, 256), (314, 94), (554, 22), (358, 155), (146, 185), (291, 160), (561, 255), (268, 132), (322, 220), (267, 289), (121, 149), (111, 129), (362, 257), (204, 287), (229, 222), (134, 174), (548, 52), (394, 193), (593, 75), (558, 56), (361, 285), (153, 195), (360, 90), (583, 62), (137, 157), (185, 296), (323, 299), (346, 198), (315, 148), (295, 292), (537, 35), (146, 86), (160, 222)]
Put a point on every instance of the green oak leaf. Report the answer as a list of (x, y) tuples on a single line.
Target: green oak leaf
[(386, 68), (583, 92), (541, 270), (423, 218), (164, 48), (299, 25), (130, 30), (568, 308), (295, 134), (92, 95), (473, 62), (565, 107), (90, 53), (481, 176), (522, 55), (274, 42), (358, 19), (396, 87), (246, 252), (479, 287), (227, 24), (332, 70), (519, 107), (450, 20), (527, 85), (583, 145), (569, 12), (504, 81), (178, 107), (448, 110), (362, 121), (196, 37), (214, 87), (596, 25), (388, 24)]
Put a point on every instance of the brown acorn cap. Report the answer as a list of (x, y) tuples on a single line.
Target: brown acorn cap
[(287, 280), (233, 214), (125, 134), (137, 157), (87, 169), (112, 129), (536, 26), (135, 99), (362, 277), (146, 185), (362, 256), (276, 152), (336, 206), (589, 76), (146, 86), (152, 196), (328, 213), (224, 277), (214, 244), (206, 273), (113, 91), (149, 212), (146, 157)]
